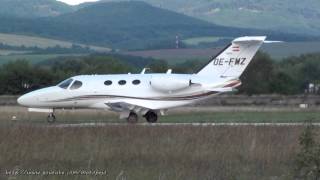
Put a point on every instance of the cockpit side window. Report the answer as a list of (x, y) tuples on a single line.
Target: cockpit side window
[(65, 84), (76, 85)]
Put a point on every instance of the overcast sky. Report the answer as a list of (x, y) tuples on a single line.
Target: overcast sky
[(75, 2)]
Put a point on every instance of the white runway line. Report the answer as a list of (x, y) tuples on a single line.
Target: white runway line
[(178, 124)]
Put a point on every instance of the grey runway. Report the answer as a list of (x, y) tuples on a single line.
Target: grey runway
[(177, 124)]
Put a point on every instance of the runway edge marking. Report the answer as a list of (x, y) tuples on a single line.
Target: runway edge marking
[(179, 124)]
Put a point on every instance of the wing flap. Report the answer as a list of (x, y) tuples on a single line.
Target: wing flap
[(127, 107)]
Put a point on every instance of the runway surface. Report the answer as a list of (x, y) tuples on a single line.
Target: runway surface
[(175, 124)]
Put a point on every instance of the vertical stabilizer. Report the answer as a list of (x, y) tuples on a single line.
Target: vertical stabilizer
[(234, 59)]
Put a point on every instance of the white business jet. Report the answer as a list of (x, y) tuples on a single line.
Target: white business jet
[(148, 95)]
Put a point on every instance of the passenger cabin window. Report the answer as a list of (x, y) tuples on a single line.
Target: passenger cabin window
[(65, 84), (136, 82), (108, 83), (122, 82), (76, 85)]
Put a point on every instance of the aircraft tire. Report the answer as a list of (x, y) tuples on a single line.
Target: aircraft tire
[(51, 118), (133, 118), (151, 117)]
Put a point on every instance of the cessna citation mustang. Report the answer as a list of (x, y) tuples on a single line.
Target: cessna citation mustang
[(148, 94)]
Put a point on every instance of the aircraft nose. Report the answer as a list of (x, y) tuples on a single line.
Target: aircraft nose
[(22, 100), (32, 99), (25, 100)]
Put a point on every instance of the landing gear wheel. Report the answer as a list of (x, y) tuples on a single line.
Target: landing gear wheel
[(133, 118), (51, 118), (151, 117)]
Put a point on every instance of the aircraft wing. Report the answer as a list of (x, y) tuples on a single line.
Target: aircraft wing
[(142, 106), (126, 106)]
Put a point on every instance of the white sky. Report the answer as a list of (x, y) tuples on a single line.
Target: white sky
[(75, 2)]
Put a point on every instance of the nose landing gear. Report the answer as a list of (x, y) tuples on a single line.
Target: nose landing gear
[(51, 118)]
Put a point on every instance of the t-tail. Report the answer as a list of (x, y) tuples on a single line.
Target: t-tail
[(234, 59)]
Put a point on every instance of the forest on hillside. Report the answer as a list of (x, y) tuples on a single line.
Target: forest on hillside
[(129, 25)]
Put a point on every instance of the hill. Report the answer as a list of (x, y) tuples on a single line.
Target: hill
[(291, 16), (33, 8), (128, 23), (125, 25)]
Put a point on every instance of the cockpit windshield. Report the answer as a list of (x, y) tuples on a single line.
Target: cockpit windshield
[(65, 84), (76, 85)]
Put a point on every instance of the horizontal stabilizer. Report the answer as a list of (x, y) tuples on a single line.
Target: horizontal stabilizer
[(270, 42), (250, 39)]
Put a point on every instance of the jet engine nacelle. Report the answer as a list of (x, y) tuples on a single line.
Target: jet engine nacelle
[(169, 83)]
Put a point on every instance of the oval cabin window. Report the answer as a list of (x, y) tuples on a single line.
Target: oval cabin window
[(108, 83), (136, 82), (122, 82)]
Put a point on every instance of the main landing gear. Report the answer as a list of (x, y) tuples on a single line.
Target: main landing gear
[(151, 117), (51, 118), (132, 118)]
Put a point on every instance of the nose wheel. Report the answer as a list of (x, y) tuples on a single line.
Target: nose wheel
[(51, 118), (151, 117)]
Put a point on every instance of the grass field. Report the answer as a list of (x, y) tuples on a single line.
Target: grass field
[(31, 151), (276, 50), (198, 40), (174, 56), (31, 41), (32, 58), (136, 152), (287, 49), (11, 52)]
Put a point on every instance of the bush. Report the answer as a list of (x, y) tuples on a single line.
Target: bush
[(308, 159)]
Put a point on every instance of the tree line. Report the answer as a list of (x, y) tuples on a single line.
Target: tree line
[(263, 76)]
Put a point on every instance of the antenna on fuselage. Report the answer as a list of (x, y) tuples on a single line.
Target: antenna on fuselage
[(144, 70)]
